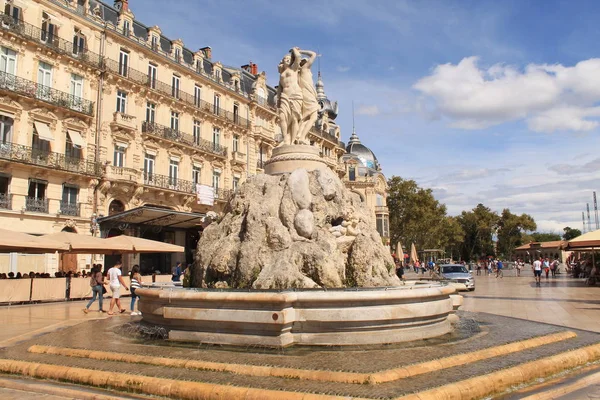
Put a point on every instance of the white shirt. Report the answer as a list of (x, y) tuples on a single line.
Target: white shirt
[(537, 265), (113, 275)]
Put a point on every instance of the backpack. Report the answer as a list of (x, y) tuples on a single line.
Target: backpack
[(93, 280)]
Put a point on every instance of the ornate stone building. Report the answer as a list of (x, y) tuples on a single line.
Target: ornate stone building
[(109, 127)]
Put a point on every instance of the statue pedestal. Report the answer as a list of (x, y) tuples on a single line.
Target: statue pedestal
[(287, 158)]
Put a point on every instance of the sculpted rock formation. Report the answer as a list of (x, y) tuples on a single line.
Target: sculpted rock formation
[(298, 230)]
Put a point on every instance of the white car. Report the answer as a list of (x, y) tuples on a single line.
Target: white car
[(459, 274)]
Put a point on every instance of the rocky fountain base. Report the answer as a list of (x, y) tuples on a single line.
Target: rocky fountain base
[(296, 259)]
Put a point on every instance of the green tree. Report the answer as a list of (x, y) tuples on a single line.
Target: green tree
[(545, 237), (570, 233), (417, 217), (479, 226), (511, 231)]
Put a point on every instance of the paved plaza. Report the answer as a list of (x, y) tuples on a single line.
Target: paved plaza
[(561, 301)]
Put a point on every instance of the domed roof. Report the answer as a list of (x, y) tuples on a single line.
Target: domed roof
[(364, 154)]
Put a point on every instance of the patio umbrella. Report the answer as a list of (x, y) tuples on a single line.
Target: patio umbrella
[(587, 240), (399, 251), (11, 241), (84, 244), (413, 253), (139, 245)]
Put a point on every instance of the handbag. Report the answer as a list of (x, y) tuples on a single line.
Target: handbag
[(104, 289)]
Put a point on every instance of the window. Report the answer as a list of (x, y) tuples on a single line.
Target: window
[(383, 225), (4, 192), (216, 178), (235, 144), (196, 173), (175, 120), (149, 160), (40, 146), (68, 205), (8, 61), (173, 172), (150, 112), (76, 92), (154, 41), (379, 201), (262, 98), (199, 66), (124, 63), (352, 173), (45, 74), (175, 86), (119, 157), (218, 74), (12, 11), (78, 42), (236, 113), (36, 196), (235, 183), (326, 151), (152, 73), (6, 125), (217, 104), (216, 137), (121, 102), (71, 151), (177, 54), (49, 30), (197, 95), (197, 132), (126, 27)]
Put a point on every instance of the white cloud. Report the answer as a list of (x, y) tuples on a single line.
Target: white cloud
[(368, 110), (343, 68), (550, 97)]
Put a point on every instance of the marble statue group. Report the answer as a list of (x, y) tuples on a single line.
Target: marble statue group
[(297, 97)]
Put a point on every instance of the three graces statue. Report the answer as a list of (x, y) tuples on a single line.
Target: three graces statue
[(297, 98)]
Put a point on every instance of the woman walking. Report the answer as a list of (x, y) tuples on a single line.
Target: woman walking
[(97, 283), (136, 283)]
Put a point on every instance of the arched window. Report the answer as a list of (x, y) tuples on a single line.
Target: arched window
[(115, 207)]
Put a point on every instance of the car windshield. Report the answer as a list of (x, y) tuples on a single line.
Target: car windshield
[(453, 268)]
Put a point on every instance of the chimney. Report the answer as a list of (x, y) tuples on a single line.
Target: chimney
[(250, 67), (207, 51)]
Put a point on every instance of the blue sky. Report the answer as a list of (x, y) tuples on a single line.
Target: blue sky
[(482, 101)]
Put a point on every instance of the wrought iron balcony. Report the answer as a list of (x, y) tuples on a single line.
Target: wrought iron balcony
[(223, 194), (53, 42), (381, 210), (37, 205), (144, 79), (325, 135), (28, 155), (174, 135), (27, 88), (122, 174), (167, 182), (6, 201), (70, 209), (260, 164)]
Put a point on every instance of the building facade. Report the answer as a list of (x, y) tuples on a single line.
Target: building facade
[(108, 127)]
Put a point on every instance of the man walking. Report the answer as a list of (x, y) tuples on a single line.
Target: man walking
[(537, 271), (176, 272), (116, 281), (499, 270)]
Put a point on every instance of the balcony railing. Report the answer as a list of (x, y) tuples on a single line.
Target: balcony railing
[(70, 209), (29, 155), (381, 210), (144, 79), (325, 135), (53, 42), (6, 201), (24, 87), (167, 182), (184, 138), (36, 205), (223, 194), (260, 164)]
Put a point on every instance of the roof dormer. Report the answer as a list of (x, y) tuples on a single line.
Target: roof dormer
[(154, 34), (199, 61), (177, 50), (218, 71), (236, 81), (126, 17)]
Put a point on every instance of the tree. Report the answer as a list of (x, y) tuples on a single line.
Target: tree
[(511, 231), (570, 233), (417, 217), (545, 237), (479, 226)]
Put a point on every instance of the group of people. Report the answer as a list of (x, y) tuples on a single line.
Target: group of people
[(115, 282), (491, 266), (544, 265), (18, 275)]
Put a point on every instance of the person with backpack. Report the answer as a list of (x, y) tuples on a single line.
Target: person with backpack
[(97, 283)]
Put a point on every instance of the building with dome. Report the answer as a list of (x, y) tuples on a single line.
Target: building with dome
[(357, 165)]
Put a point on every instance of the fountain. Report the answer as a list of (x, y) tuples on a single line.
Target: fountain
[(295, 259)]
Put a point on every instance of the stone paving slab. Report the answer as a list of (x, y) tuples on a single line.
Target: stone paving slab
[(106, 335)]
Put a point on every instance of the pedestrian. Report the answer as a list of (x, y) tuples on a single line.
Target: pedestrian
[(176, 272), (537, 271), (115, 282), (547, 267), (136, 283), (97, 283), (478, 268), (554, 267), (489, 267), (399, 270), (518, 267), (499, 267)]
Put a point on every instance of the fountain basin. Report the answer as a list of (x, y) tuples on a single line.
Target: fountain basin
[(308, 317)]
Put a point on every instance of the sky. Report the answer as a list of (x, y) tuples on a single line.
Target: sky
[(481, 101)]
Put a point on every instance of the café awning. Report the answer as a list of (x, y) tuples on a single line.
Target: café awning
[(153, 216), (139, 245), (84, 244), (19, 242), (587, 240)]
